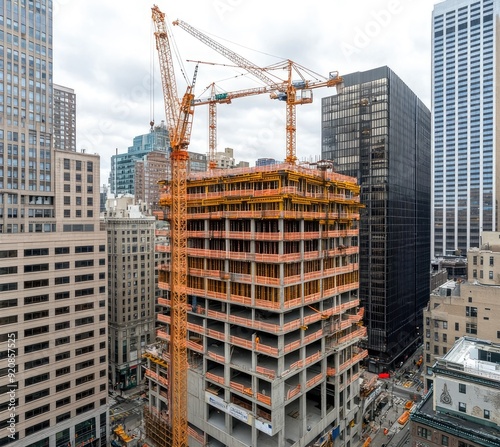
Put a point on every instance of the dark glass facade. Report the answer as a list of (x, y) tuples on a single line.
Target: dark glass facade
[(379, 131)]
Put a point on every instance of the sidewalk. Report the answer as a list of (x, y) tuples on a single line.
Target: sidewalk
[(386, 431)]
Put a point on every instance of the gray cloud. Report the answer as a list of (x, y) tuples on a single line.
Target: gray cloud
[(106, 53)]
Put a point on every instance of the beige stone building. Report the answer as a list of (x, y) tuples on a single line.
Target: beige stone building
[(464, 308), (461, 410), (131, 296), (53, 313)]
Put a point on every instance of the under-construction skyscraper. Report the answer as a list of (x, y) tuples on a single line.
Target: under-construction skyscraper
[(274, 321)]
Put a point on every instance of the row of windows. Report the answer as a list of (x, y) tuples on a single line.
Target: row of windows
[(78, 165), (45, 298), (45, 251), (78, 201), (481, 274), (78, 188), (60, 326), (35, 283), (78, 213)]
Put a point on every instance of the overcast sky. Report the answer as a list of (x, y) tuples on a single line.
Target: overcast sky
[(105, 51)]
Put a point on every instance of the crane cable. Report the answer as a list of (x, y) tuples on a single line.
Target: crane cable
[(152, 78)]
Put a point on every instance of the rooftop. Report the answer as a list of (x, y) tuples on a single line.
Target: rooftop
[(475, 357), (474, 431)]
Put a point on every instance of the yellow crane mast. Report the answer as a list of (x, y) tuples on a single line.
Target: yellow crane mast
[(179, 117), (293, 92)]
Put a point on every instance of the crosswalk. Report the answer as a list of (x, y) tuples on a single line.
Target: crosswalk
[(118, 414)]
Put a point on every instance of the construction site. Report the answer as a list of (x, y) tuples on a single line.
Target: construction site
[(273, 317), (260, 323)]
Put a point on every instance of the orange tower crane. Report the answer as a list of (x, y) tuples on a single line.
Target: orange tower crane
[(212, 131), (221, 98), (293, 92), (179, 115)]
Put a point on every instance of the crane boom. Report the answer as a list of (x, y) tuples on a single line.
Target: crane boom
[(179, 116), (240, 61), (287, 90)]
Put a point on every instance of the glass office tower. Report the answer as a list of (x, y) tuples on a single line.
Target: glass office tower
[(465, 77), (378, 131)]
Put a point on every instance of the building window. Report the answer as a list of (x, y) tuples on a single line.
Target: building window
[(37, 411), (37, 427), (63, 386), (492, 262), (457, 326), (486, 414), (464, 444), (474, 273), (436, 349), (63, 417), (445, 440), (445, 325), (424, 433), (436, 336), (474, 260), (445, 338), (462, 388), (471, 328), (462, 406), (490, 275)]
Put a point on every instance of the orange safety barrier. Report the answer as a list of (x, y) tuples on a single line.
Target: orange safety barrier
[(266, 372), (330, 371), (314, 380), (293, 392)]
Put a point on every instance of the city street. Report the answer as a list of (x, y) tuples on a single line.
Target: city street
[(127, 412), (404, 386)]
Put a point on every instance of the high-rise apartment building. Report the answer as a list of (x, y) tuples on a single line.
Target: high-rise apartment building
[(465, 73), (64, 120), (378, 131), (151, 169), (122, 176), (465, 308), (155, 167), (225, 159), (52, 254), (462, 407), (273, 315), (131, 270)]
